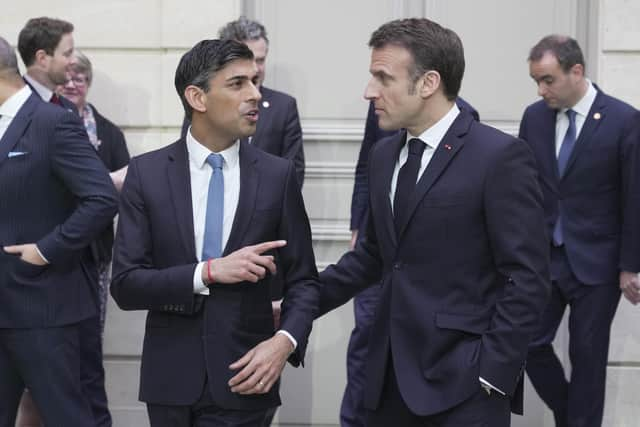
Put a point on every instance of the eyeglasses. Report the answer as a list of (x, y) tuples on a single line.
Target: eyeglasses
[(78, 80)]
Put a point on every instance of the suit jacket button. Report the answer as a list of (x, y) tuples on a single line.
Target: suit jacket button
[(397, 265)]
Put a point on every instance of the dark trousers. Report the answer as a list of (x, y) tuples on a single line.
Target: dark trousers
[(352, 411), (578, 402), (480, 410), (92, 370), (47, 362), (204, 413)]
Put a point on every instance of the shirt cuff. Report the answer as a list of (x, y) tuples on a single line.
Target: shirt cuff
[(288, 335), (198, 284), (488, 384), (42, 256)]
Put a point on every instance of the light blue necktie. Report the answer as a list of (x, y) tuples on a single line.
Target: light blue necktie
[(568, 142), (212, 243)]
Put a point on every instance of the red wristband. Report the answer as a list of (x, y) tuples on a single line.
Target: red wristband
[(209, 275)]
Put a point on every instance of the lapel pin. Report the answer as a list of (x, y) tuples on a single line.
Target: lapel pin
[(597, 116), (265, 104), (447, 146)]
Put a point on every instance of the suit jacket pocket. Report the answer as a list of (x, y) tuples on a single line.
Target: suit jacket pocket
[(28, 270)]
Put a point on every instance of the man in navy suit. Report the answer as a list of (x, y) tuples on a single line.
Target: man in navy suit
[(454, 239), (46, 47), (587, 148), (199, 221), (56, 197), (352, 412)]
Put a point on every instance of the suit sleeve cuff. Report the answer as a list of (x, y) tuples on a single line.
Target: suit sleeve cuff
[(42, 256), (198, 284), (291, 338), (488, 384)]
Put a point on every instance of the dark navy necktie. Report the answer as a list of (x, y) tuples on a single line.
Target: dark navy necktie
[(568, 142), (406, 184), (212, 242)]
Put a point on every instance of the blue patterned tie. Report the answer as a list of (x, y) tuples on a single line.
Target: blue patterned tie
[(568, 142), (212, 244)]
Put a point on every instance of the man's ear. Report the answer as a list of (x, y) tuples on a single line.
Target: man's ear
[(195, 96), (430, 82), (40, 57)]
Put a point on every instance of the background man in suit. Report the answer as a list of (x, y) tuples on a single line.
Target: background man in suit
[(352, 412), (56, 197), (46, 46), (197, 221), (587, 149), (459, 255)]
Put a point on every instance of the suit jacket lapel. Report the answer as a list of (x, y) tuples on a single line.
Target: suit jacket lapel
[(18, 126), (444, 153), (380, 201), (249, 179), (547, 126), (180, 187), (588, 130)]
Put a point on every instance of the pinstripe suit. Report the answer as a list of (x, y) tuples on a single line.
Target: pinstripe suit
[(54, 192)]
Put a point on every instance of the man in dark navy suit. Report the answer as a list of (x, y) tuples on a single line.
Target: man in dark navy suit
[(199, 221), (587, 148), (46, 47), (454, 239), (56, 197), (352, 412)]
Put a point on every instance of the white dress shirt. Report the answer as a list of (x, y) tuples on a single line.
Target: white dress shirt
[(9, 109), (200, 172), (581, 108), (431, 137), (44, 92)]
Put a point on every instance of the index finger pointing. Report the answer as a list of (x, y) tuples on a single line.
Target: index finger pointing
[(266, 246)]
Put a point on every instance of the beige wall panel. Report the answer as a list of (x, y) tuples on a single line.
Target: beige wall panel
[(123, 331), (619, 76), (622, 408), (127, 23), (620, 29), (313, 394), (128, 86), (625, 336), (114, 23), (185, 24), (319, 53), (172, 109), (328, 198), (497, 36), (122, 382), (141, 141)]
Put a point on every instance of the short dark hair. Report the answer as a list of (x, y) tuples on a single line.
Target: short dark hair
[(41, 33), (566, 50), (242, 30), (432, 47), (200, 64)]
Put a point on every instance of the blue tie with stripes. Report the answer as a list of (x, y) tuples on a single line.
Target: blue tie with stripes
[(212, 243)]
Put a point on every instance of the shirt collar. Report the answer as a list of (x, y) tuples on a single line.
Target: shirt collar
[(435, 133), (44, 92), (14, 103), (198, 153), (583, 106)]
